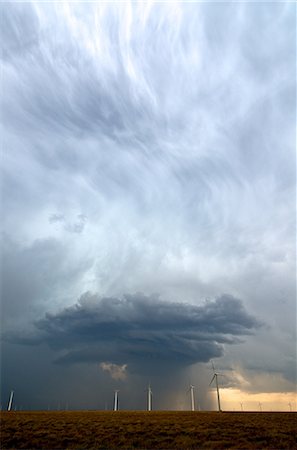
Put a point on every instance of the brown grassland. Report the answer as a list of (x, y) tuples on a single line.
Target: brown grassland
[(147, 430)]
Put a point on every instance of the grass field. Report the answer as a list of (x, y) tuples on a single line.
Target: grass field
[(148, 430)]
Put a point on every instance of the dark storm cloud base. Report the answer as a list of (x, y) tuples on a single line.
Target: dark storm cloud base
[(142, 330)]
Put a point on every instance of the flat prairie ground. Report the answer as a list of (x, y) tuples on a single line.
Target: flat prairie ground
[(148, 430)]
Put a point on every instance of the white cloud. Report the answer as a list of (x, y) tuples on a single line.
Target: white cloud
[(117, 372)]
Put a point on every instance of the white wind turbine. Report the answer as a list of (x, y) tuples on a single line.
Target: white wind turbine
[(215, 377), (116, 401), (191, 390), (149, 398), (290, 406), (10, 401)]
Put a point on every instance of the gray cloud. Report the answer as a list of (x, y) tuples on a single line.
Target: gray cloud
[(56, 218), (33, 277), (19, 30), (143, 331), (76, 226)]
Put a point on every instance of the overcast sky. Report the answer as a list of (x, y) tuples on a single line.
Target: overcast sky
[(148, 201)]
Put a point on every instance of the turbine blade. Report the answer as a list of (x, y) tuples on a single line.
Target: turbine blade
[(212, 379)]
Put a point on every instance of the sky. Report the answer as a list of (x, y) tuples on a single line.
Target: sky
[(148, 204)]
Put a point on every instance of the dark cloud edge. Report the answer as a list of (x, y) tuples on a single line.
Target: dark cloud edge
[(141, 330)]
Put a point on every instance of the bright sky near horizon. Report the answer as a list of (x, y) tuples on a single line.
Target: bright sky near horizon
[(148, 202)]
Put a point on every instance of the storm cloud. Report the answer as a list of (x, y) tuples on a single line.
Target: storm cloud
[(143, 331)]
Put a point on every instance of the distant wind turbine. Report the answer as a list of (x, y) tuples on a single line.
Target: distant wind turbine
[(10, 401), (215, 377), (116, 401), (260, 406), (149, 398), (191, 390), (241, 405), (290, 406)]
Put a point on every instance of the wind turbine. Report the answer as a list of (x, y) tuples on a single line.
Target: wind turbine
[(116, 401), (241, 405), (149, 398), (260, 406), (10, 401), (290, 406), (215, 377), (191, 390)]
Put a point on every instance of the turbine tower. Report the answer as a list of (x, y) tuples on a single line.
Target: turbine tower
[(290, 406), (10, 401), (149, 398), (191, 390), (215, 377), (116, 401), (260, 406)]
